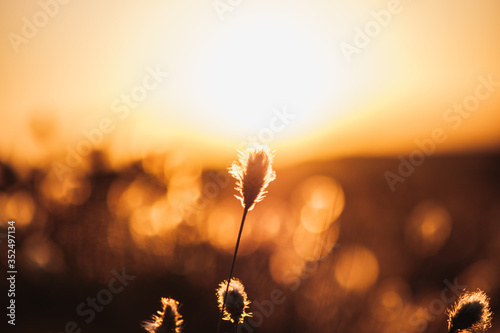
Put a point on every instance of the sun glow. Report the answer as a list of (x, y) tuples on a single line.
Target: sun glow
[(227, 79), (260, 63)]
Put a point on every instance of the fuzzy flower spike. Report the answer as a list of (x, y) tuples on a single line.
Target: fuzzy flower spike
[(253, 172), (236, 301), (471, 313), (168, 319)]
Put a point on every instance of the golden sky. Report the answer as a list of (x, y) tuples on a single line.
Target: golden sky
[(313, 79)]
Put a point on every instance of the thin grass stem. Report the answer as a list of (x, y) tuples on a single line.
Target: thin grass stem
[(245, 211)]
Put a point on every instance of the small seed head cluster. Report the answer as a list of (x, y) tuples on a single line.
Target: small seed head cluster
[(168, 319), (236, 302), (471, 313)]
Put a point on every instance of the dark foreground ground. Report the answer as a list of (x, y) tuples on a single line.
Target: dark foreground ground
[(393, 260)]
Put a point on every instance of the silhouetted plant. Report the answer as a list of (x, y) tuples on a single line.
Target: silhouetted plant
[(253, 172), (470, 313), (236, 302), (168, 319)]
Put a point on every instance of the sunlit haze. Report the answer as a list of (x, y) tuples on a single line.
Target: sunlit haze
[(229, 71)]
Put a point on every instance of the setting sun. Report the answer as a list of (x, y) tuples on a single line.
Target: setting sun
[(226, 75), (261, 62)]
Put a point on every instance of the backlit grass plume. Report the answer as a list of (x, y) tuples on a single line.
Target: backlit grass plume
[(168, 319), (253, 172), (471, 313), (233, 301)]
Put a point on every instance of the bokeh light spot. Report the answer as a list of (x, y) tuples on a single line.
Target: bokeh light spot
[(322, 200), (42, 252), (483, 274), (20, 207), (285, 267), (221, 228), (389, 299), (73, 189), (314, 246), (428, 228), (356, 268)]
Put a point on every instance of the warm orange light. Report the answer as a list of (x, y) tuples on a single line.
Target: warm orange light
[(314, 246), (357, 268), (428, 228), (224, 85), (321, 200)]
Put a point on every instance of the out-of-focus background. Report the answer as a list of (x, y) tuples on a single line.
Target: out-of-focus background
[(119, 119)]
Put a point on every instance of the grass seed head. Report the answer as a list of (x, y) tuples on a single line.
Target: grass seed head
[(471, 313), (168, 319), (236, 301), (253, 172)]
